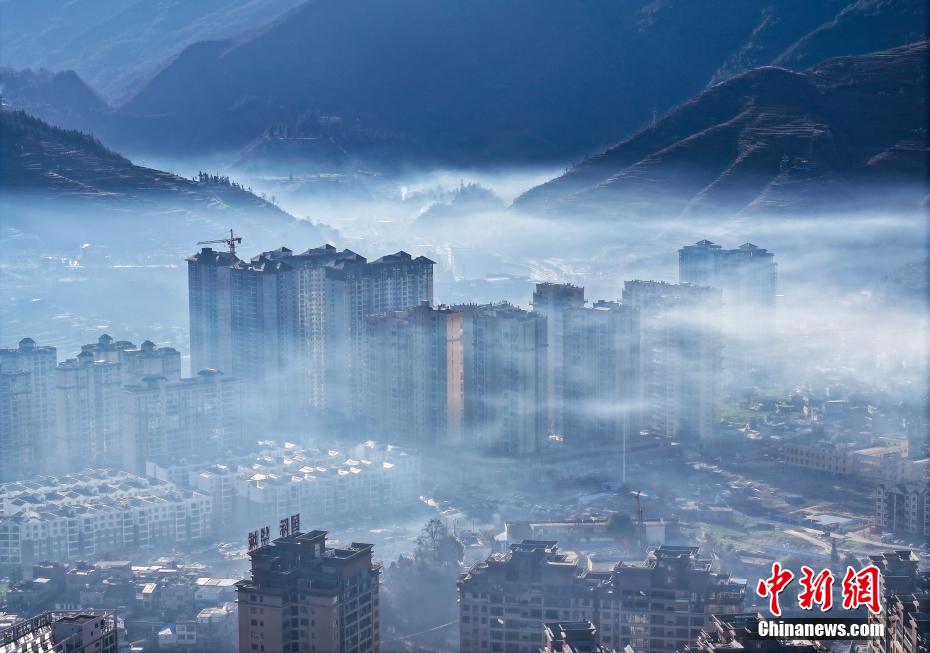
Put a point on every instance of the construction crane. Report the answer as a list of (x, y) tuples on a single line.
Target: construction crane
[(231, 242)]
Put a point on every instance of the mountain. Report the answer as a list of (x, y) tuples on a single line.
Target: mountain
[(465, 201), (53, 172), (39, 158), (62, 98), (766, 141), (801, 39), (461, 82), (859, 28), (117, 45)]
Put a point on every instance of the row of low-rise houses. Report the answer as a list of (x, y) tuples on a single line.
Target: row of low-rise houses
[(321, 484), (100, 511), (883, 463), (103, 511), (114, 404)]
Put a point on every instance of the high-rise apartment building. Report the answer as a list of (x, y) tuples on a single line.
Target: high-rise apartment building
[(32, 427), (747, 273), (414, 359), (554, 301), (747, 277), (504, 600), (663, 603), (593, 366), (89, 413), (356, 289), (681, 351), (600, 387), (504, 378), (264, 312), (296, 322), (137, 362), (120, 405), (210, 309), (305, 596), (17, 456), (283, 328), (167, 422)]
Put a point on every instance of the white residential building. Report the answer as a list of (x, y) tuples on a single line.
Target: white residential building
[(93, 513)]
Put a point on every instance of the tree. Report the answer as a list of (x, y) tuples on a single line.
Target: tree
[(620, 525), (436, 546), (419, 593)]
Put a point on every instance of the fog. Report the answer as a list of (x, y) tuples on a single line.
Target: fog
[(851, 326)]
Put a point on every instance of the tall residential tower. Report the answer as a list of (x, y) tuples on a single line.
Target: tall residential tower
[(306, 596)]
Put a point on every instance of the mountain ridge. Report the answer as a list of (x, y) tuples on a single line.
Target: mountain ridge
[(743, 143), (59, 185), (466, 82), (38, 157), (118, 45)]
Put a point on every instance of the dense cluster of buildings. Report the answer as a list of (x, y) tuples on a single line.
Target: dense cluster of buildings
[(81, 516), (739, 632), (304, 595), (163, 605), (535, 598), (293, 323), (60, 632), (283, 479), (104, 511), (329, 332), (660, 604), (905, 611), (113, 405), (884, 448)]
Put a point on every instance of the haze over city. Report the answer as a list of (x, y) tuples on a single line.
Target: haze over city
[(336, 326)]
